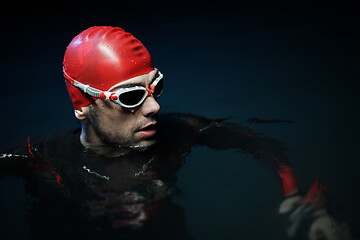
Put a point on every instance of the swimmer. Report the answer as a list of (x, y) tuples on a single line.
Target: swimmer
[(116, 174)]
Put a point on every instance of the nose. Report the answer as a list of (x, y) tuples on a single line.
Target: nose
[(150, 107)]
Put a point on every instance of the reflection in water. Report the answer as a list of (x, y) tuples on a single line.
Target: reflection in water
[(90, 196)]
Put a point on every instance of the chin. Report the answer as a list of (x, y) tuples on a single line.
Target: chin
[(144, 145)]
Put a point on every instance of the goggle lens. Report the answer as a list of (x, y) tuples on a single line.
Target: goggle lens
[(158, 89), (134, 98)]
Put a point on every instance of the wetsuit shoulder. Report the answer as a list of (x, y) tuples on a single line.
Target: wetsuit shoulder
[(32, 153), (53, 160), (60, 150), (59, 142)]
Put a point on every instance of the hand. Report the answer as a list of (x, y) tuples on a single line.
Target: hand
[(325, 227), (312, 206)]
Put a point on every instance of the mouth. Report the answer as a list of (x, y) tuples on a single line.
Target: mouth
[(148, 131)]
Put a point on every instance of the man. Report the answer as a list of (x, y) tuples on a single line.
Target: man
[(115, 176)]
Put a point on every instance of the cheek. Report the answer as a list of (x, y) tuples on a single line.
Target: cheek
[(121, 123), (113, 119)]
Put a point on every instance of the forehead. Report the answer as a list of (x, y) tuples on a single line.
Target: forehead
[(143, 80)]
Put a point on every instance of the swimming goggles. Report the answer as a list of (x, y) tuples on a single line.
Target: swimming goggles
[(126, 96)]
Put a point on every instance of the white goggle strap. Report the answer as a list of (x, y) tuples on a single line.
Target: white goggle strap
[(89, 90), (95, 92)]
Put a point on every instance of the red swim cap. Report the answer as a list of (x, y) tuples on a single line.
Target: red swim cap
[(102, 57)]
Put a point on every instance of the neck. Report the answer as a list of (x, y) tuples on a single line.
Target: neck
[(90, 140)]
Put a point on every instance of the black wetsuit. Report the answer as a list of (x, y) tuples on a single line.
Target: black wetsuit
[(81, 194)]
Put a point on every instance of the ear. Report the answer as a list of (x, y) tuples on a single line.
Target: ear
[(82, 113)]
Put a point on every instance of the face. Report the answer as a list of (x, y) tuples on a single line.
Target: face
[(127, 128)]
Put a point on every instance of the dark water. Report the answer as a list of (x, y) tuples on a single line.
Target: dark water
[(296, 63)]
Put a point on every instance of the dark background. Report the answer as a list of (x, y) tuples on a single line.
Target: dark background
[(235, 45), (289, 61)]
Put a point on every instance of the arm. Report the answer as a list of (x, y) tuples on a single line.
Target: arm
[(225, 135), (219, 134)]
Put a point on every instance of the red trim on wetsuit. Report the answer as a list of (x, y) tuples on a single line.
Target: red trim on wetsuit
[(288, 180), (32, 155), (316, 192)]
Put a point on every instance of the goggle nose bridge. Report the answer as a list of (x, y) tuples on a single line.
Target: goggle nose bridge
[(149, 91)]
